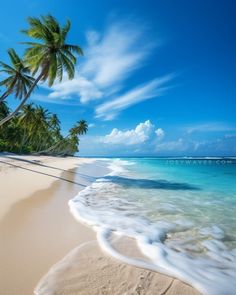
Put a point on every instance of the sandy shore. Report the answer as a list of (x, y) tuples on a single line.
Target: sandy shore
[(37, 232)]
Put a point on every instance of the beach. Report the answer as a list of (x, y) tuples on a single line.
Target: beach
[(43, 245)]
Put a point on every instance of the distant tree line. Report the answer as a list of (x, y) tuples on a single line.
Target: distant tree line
[(35, 130)]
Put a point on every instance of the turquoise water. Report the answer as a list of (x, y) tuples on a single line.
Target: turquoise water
[(210, 199), (181, 212)]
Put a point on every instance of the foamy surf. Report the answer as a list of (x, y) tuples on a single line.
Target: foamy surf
[(176, 244)]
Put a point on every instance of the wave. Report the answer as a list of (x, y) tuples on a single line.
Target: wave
[(202, 260)]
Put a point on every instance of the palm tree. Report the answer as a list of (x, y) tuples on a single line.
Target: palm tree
[(54, 124), (80, 128), (27, 121), (50, 56), (18, 81), (41, 129), (4, 110), (27, 117)]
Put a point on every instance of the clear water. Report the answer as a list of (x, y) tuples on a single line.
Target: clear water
[(182, 214)]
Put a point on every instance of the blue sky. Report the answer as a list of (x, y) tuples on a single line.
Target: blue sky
[(157, 77)]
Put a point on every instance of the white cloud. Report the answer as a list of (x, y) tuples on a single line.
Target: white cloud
[(79, 86), (142, 140), (108, 110), (210, 127), (111, 57), (91, 125), (140, 134), (160, 133)]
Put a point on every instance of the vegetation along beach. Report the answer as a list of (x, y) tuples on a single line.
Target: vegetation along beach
[(117, 148)]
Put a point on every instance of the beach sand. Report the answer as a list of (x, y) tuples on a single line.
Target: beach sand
[(40, 238)]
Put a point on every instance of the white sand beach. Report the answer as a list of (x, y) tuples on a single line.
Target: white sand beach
[(41, 244)]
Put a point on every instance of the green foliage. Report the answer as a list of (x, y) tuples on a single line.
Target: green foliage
[(18, 79), (51, 55), (30, 128), (34, 130)]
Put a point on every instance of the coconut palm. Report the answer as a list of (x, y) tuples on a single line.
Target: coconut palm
[(41, 128), (34, 129), (26, 120), (18, 78), (54, 124), (80, 128), (50, 56), (4, 110), (27, 117)]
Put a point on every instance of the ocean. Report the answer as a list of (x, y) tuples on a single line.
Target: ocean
[(181, 212)]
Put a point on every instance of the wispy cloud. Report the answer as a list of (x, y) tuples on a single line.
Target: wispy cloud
[(210, 127), (109, 110), (111, 58)]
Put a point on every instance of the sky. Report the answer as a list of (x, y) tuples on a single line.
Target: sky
[(158, 78)]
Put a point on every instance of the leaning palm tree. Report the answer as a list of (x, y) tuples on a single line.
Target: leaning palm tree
[(26, 121), (27, 117), (54, 124), (50, 56), (80, 128), (18, 78)]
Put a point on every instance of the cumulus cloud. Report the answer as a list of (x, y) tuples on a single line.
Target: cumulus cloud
[(160, 133), (142, 133), (145, 139)]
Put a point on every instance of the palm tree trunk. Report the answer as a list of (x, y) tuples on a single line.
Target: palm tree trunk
[(10, 116), (23, 140), (54, 146)]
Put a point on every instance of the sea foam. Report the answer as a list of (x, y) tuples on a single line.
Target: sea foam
[(177, 247)]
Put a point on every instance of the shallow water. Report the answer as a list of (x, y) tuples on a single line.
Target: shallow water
[(180, 211)]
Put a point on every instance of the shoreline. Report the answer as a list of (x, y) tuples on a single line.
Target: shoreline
[(36, 226), (38, 230)]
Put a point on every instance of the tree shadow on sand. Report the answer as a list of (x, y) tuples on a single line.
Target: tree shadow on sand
[(42, 173), (38, 163)]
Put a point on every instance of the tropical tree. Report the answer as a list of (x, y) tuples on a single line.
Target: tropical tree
[(4, 110), (80, 128), (18, 79), (27, 122), (54, 126), (50, 56), (35, 129)]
